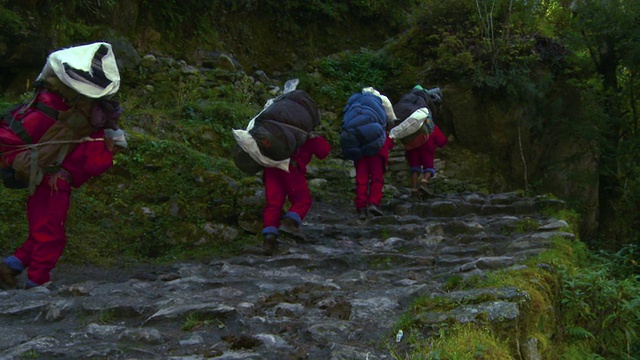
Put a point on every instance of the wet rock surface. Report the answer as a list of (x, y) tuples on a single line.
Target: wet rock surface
[(335, 292)]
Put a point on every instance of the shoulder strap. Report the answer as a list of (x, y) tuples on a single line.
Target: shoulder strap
[(16, 125), (47, 110), (18, 129)]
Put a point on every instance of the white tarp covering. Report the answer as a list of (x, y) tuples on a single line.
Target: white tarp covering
[(88, 69), (250, 146), (411, 124)]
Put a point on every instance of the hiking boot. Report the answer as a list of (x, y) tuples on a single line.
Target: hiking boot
[(290, 228), (270, 244), (362, 214), (289, 225), (374, 210), (7, 277)]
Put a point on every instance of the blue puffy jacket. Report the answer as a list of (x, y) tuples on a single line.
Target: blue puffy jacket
[(363, 126)]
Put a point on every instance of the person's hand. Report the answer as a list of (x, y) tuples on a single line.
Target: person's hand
[(109, 143)]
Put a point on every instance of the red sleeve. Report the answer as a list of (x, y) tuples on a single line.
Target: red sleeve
[(321, 147), (89, 159), (439, 138), (389, 143), (317, 146)]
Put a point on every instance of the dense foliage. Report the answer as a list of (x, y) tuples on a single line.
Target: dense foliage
[(501, 46)]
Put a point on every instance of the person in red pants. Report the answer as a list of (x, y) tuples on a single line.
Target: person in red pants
[(370, 181), (421, 158), (48, 207), (280, 185)]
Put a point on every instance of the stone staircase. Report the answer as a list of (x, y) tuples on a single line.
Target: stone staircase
[(335, 293)]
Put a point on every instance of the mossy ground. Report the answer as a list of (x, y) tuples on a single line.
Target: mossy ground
[(553, 313)]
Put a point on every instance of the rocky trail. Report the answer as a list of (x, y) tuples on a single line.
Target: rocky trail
[(336, 294)]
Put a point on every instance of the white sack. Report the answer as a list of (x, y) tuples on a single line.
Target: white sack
[(249, 145), (81, 58), (410, 125)]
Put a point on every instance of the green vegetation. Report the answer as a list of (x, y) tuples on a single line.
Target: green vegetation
[(568, 68), (574, 303), (107, 316), (527, 51), (341, 75), (469, 342), (30, 354), (194, 321), (380, 263)]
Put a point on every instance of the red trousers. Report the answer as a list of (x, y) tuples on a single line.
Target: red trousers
[(369, 181), (280, 185), (47, 211)]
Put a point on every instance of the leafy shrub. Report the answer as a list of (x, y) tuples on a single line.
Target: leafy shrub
[(601, 310), (341, 75), (12, 23)]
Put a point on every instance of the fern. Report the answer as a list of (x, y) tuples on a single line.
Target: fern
[(602, 309), (579, 332)]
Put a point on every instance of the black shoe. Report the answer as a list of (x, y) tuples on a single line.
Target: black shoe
[(270, 244), (374, 210), (7, 277), (362, 214)]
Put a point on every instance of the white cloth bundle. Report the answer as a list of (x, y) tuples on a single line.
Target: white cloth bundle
[(410, 125), (88, 69), (249, 145)]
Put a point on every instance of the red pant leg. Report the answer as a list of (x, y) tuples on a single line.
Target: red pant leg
[(275, 194), (298, 193), (413, 157), (23, 253), (418, 159), (47, 212), (362, 182), (376, 171)]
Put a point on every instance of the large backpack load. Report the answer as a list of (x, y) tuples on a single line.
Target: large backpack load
[(415, 116), (364, 122), (285, 125), (272, 136), (70, 102)]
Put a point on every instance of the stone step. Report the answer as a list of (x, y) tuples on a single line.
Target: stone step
[(337, 293)]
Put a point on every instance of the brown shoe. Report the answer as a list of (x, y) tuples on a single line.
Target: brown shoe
[(7, 277), (289, 225), (270, 244), (289, 228)]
